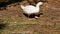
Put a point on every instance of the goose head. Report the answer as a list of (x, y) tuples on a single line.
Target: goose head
[(39, 4)]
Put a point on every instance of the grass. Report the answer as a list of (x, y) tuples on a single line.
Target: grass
[(15, 26), (19, 27)]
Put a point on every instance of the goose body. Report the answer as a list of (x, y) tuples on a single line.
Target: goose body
[(30, 9)]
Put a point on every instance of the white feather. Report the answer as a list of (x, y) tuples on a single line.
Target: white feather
[(29, 9)]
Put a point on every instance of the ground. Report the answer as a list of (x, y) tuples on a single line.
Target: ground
[(17, 23)]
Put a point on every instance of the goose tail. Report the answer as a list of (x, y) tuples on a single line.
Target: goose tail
[(22, 6)]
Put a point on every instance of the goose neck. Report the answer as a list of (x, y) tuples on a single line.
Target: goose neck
[(38, 4)]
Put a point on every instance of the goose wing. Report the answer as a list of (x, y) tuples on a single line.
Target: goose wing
[(30, 9)]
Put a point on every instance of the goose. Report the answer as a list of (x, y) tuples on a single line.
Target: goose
[(30, 9)]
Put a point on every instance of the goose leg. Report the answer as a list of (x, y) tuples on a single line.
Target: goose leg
[(29, 18)]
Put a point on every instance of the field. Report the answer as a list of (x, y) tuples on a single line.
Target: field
[(13, 21)]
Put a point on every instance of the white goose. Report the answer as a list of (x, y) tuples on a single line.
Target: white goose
[(30, 9)]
